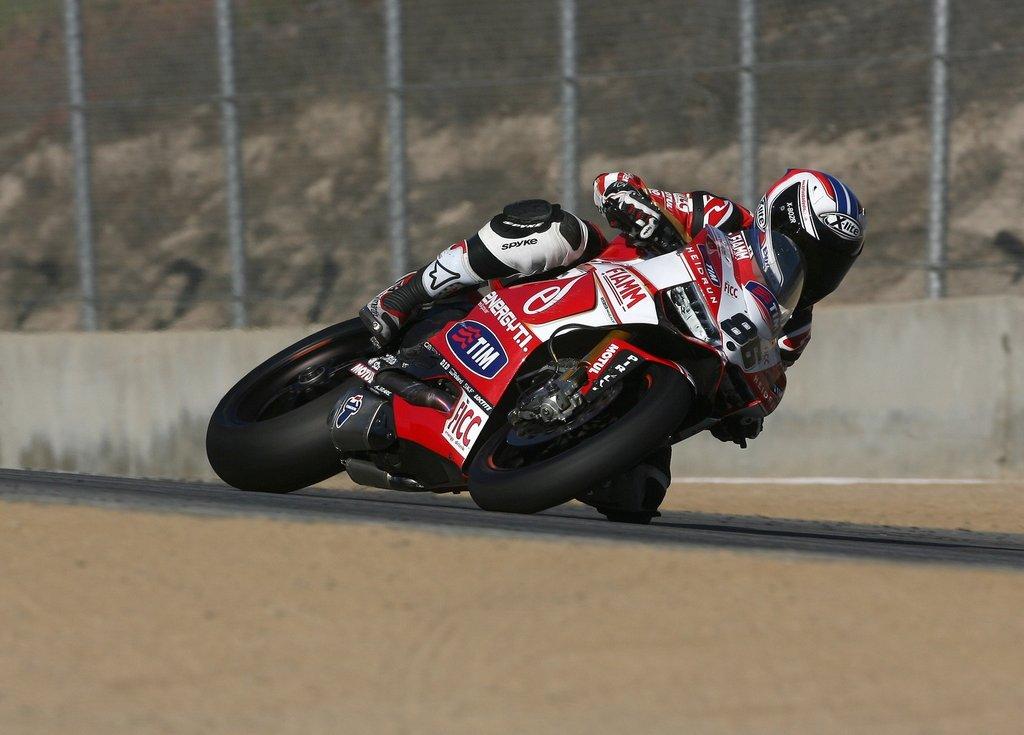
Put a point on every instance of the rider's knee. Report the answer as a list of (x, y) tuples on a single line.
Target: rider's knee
[(528, 236)]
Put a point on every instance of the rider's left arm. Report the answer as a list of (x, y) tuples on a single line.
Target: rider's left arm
[(795, 335)]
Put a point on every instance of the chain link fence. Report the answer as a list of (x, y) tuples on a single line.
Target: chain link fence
[(209, 163)]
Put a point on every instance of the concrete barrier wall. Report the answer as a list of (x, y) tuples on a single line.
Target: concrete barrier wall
[(133, 404), (917, 389)]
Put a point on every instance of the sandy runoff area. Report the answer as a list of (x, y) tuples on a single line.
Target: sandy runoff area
[(980, 506), (132, 622)]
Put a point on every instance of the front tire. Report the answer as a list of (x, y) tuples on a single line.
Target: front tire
[(660, 408), (269, 433)]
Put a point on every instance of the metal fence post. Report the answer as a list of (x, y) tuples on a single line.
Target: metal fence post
[(940, 153), (396, 138), (749, 152), (232, 163), (80, 153), (570, 111)]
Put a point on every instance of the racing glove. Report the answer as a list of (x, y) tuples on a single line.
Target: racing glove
[(795, 336), (738, 429), (631, 211)]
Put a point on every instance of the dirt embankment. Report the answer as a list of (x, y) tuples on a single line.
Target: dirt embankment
[(842, 86), (316, 196), (129, 622)]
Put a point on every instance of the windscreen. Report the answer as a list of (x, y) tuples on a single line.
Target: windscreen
[(783, 267)]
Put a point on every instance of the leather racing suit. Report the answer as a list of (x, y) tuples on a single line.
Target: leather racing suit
[(534, 238)]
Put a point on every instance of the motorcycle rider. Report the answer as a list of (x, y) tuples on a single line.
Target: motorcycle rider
[(819, 213), (534, 237)]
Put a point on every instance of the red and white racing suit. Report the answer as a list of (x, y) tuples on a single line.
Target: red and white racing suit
[(506, 250)]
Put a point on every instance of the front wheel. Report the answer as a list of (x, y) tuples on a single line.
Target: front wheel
[(512, 478)]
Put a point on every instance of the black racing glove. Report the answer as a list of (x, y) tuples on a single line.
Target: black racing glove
[(788, 357), (738, 429), (630, 211)]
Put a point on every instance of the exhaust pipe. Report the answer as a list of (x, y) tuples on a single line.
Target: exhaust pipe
[(367, 473)]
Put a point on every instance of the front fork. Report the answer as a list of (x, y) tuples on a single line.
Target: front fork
[(577, 373), (558, 399)]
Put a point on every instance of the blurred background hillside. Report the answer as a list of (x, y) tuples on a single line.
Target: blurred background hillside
[(840, 86)]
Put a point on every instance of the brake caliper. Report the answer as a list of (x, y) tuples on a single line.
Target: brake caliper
[(556, 400)]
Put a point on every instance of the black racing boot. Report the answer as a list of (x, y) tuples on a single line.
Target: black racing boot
[(389, 310)]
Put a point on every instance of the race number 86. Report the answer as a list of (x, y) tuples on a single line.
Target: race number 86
[(739, 328)]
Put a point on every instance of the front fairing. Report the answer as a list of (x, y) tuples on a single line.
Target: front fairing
[(750, 321), (727, 306)]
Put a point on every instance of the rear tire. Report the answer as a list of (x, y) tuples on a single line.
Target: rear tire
[(556, 480), (289, 450)]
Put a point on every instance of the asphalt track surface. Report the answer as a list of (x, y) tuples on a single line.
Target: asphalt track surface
[(457, 513)]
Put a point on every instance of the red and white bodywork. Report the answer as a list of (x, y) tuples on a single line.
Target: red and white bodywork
[(709, 294)]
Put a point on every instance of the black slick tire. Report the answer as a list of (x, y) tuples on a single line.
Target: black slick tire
[(556, 480), (288, 451)]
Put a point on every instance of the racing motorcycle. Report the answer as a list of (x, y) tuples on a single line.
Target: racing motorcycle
[(531, 394)]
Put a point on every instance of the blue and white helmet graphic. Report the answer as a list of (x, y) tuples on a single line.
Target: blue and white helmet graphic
[(823, 217)]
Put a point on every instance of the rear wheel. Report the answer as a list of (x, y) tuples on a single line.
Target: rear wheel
[(270, 432), (507, 475)]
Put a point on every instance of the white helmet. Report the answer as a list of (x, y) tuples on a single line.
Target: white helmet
[(824, 219)]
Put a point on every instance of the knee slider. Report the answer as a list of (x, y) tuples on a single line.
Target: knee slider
[(525, 217)]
